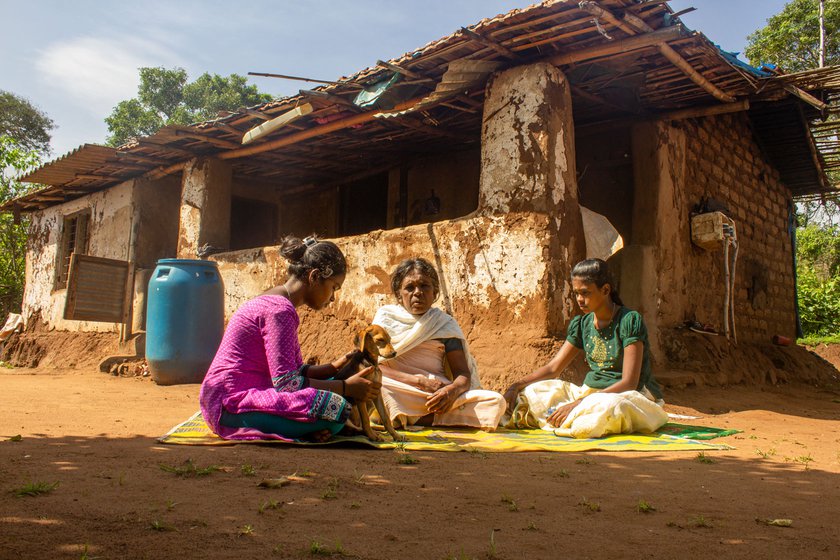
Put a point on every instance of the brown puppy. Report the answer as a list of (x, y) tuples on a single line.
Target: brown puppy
[(371, 343)]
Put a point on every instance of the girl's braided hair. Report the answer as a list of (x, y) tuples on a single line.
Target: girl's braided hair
[(311, 253)]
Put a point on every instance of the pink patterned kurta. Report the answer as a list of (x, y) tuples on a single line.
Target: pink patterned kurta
[(257, 368)]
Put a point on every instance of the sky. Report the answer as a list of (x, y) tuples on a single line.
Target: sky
[(76, 60)]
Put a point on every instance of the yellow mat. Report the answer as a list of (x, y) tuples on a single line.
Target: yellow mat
[(195, 432)]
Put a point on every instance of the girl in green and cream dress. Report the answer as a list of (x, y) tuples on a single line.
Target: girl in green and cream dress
[(619, 394)]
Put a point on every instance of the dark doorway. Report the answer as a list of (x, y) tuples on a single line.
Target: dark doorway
[(253, 223), (364, 205), (605, 176)]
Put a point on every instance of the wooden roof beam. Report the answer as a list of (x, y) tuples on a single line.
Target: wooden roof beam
[(91, 177), (632, 24), (597, 11), (807, 98), (205, 138), (580, 92), (502, 50), (693, 74), (417, 124), (139, 158), (160, 146), (616, 47)]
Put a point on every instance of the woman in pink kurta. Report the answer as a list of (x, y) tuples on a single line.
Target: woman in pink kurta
[(258, 386)]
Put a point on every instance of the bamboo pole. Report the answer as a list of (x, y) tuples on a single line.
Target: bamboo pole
[(296, 137), (693, 74), (302, 79), (277, 122)]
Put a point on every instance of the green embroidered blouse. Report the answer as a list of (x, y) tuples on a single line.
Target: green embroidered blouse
[(605, 348)]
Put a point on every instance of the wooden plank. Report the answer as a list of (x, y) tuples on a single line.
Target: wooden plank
[(276, 123), (96, 289), (128, 303)]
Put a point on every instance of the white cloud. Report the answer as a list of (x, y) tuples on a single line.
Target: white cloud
[(97, 73)]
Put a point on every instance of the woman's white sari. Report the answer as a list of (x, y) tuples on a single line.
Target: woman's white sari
[(417, 341)]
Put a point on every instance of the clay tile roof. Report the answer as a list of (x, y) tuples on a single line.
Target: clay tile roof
[(624, 59)]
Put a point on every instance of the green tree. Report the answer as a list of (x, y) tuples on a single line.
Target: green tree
[(791, 38), (21, 120), (167, 97), (15, 160)]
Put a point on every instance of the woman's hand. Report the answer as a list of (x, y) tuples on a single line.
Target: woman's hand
[(559, 415), (511, 394), (442, 399), (429, 383), (360, 389)]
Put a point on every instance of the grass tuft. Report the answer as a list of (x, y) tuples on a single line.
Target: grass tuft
[(703, 458), (189, 469), (35, 489), (331, 493), (245, 531), (701, 522), (318, 549), (510, 503), (589, 506), (270, 504), (160, 526), (644, 507)]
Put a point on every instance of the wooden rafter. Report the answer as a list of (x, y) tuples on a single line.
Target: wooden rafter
[(478, 38), (616, 47)]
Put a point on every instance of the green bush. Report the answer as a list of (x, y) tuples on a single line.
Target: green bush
[(818, 275)]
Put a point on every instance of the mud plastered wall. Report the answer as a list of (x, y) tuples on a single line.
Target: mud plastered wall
[(494, 277), (109, 232), (723, 161)]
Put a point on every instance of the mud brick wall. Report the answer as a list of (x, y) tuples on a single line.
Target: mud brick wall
[(724, 162)]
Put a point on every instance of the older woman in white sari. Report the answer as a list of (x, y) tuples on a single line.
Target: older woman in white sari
[(433, 380)]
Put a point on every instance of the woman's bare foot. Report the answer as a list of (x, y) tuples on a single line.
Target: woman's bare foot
[(320, 436)]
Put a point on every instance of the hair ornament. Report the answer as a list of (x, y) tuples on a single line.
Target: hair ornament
[(309, 241)]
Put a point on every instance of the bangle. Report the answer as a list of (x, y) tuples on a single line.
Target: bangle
[(343, 388)]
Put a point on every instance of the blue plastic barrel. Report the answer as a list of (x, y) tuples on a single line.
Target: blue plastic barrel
[(185, 320)]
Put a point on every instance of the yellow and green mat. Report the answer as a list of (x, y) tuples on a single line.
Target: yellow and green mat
[(671, 437)]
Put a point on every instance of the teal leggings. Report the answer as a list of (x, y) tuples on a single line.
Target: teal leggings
[(271, 424)]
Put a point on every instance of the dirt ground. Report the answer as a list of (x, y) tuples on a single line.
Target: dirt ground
[(94, 435)]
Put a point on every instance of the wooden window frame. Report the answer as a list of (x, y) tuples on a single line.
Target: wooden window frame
[(74, 227)]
